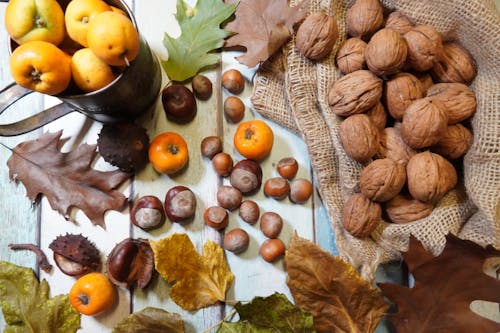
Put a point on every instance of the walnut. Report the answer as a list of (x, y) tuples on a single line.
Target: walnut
[(430, 176), (400, 91), (404, 209), (382, 179), (316, 36), (455, 143), (425, 47), (378, 116), (458, 100), (386, 52), (351, 55), (354, 93), (456, 65), (392, 146), (359, 137), (364, 18), (399, 22), (424, 123), (361, 216), (425, 79)]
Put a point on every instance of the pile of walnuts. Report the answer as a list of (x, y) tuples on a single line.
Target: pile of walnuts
[(406, 104)]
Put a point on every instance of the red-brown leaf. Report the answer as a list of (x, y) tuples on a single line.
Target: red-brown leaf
[(262, 27), (444, 288), (66, 179)]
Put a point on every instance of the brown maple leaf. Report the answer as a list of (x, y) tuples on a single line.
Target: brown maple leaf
[(444, 288), (66, 179), (331, 290), (262, 27)]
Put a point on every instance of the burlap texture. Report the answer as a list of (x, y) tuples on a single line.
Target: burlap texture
[(291, 91)]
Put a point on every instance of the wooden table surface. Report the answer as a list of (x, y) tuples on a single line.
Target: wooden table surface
[(25, 222)]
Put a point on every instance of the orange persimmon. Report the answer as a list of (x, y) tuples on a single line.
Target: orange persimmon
[(254, 139), (168, 152), (92, 294)]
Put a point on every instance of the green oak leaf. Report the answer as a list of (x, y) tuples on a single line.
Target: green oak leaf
[(200, 34), (27, 306), (151, 320), (274, 313)]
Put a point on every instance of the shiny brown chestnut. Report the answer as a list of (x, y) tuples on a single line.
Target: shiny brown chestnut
[(246, 176), (180, 204), (216, 217), (147, 213), (178, 103), (276, 188)]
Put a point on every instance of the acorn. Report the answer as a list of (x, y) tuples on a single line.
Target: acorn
[(124, 145), (75, 255)]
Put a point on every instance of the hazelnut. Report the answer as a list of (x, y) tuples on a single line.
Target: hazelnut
[(179, 103), (236, 241), (364, 18), (404, 209), (233, 81), (222, 163), (300, 190), (216, 217), (378, 116), (131, 261), (276, 188), (382, 179), (202, 86), (147, 213), (351, 55), (400, 91), (360, 215), (356, 92), (316, 36), (229, 197), (272, 249), (386, 52), (246, 176), (180, 204), (210, 146), (287, 167), (359, 137), (392, 146), (455, 142), (234, 109), (457, 98), (271, 224), (425, 47), (455, 65), (249, 211), (399, 22)]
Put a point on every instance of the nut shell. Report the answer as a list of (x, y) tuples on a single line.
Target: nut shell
[(361, 216), (430, 176), (399, 22), (359, 137), (354, 93), (386, 52), (400, 91), (457, 98), (455, 143), (364, 18), (404, 209), (378, 116), (456, 65), (316, 36), (351, 55), (75, 255), (382, 180), (392, 146), (425, 47), (424, 123)]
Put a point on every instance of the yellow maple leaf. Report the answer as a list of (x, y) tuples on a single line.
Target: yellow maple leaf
[(198, 280)]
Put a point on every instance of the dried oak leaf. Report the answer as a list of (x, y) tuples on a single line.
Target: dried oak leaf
[(66, 179), (331, 290), (198, 280), (151, 320), (444, 288), (262, 27)]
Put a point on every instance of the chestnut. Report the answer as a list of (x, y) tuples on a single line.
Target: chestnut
[(300, 190), (233, 81), (179, 103), (180, 204), (202, 86), (277, 188), (236, 241), (131, 261), (287, 167), (229, 197), (249, 211), (234, 109), (210, 146), (147, 213), (216, 217), (223, 164), (271, 224), (272, 249), (246, 176)]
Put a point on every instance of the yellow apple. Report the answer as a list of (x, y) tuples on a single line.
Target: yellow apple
[(79, 14), (35, 20), (89, 72)]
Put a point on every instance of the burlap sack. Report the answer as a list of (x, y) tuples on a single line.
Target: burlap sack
[(291, 91)]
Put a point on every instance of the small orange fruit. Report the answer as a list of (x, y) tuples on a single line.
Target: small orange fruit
[(41, 66), (79, 14), (92, 294), (168, 153), (89, 72), (253, 139)]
